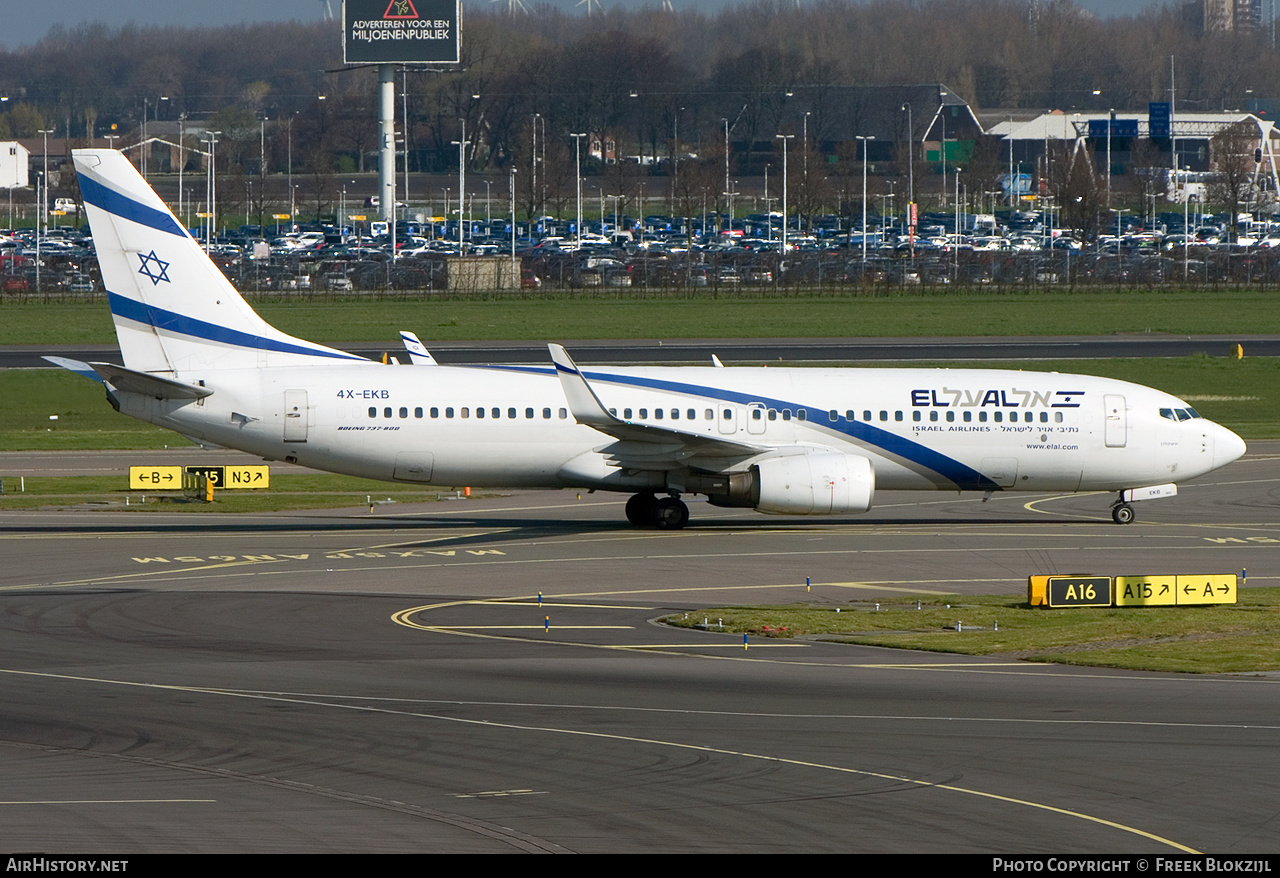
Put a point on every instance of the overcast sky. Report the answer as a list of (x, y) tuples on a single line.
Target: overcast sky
[(27, 24)]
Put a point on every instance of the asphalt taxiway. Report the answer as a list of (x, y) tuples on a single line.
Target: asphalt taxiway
[(485, 675)]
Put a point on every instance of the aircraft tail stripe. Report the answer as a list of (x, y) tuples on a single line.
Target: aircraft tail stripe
[(126, 208), (131, 309)]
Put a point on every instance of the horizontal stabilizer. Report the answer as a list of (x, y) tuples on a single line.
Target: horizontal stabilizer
[(147, 384)]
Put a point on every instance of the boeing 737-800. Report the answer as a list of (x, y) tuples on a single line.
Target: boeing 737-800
[(198, 360)]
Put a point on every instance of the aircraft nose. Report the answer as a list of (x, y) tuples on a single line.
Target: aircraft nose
[(1227, 446)]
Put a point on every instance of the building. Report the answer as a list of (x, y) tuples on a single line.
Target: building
[(14, 161)]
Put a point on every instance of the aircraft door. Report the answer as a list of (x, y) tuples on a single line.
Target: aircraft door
[(755, 417), (727, 416), (1116, 423), (295, 416)]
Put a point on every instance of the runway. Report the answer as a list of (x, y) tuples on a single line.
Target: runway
[(846, 351), (346, 681)]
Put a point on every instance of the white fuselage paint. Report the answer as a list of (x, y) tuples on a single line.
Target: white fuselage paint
[(928, 429)]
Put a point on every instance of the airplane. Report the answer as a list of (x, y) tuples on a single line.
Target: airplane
[(806, 441)]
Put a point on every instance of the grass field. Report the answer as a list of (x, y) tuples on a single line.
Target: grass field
[(1236, 638), (745, 314)]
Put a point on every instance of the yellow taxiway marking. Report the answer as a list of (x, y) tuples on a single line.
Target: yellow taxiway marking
[(528, 627), (318, 701), (107, 801)]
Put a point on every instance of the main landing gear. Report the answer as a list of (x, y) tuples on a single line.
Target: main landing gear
[(666, 513)]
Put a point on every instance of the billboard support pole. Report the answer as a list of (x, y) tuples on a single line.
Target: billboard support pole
[(387, 149)]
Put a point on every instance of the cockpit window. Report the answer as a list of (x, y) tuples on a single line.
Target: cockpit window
[(1167, 413), (1179, 414)]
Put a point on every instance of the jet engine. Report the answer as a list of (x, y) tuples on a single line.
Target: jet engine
[(818, 483)]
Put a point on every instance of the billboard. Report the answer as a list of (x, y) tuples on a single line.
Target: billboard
[(401, 31)]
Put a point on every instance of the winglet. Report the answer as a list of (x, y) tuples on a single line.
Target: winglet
[(715, 361), (84, 370), (418, 353), (583, 402)]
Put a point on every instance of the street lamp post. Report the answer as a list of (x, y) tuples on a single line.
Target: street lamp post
[(577, 157), (461, 143), (784, 138), (864, 191), (42, 203), (911, 162)]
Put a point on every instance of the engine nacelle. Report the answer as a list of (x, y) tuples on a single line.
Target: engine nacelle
[(815, 484)]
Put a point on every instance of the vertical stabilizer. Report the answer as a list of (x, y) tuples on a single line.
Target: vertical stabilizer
[(173, 309)]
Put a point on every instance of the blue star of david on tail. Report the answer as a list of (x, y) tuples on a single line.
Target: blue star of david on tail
[(154, 267)]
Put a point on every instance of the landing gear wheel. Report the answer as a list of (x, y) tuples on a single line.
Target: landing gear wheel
[(641, 509), (1122, 513), (670, 514)]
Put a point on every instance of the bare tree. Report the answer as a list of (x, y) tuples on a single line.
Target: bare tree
[(1232, 154)]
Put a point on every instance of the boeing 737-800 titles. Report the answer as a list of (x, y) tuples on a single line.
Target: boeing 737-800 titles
[(198, 360)]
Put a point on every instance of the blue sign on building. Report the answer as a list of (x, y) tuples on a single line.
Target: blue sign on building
[(1159, 120)]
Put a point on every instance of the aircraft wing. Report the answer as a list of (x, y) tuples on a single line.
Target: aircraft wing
[(643, 446)]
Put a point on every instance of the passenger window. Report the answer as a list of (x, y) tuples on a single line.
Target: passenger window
[(756, 414), (802, 414), (675, 414), (968, 416), (448, 412), (479, 411), (884, 416), (435, 412), (897, 416), (999, 417), (528, 413), (465, 412), (546, 414), (786, 414), (1044, 417), (692, 414), (982, 417), (386, 413), (417, 412), (850, 415), (564, 413), (833, 415), (933, 415), (496, 412), (951, 416), (866, 415), (511, 413), (373, 412), (915, 415), (644, 414), (657, 414), (773, 414), (626, 414), (404, 412), (1057, 417)]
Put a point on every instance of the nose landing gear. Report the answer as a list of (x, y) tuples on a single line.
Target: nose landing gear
[(1122, 513)]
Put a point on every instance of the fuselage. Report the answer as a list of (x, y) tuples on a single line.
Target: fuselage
[(981, 430)]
